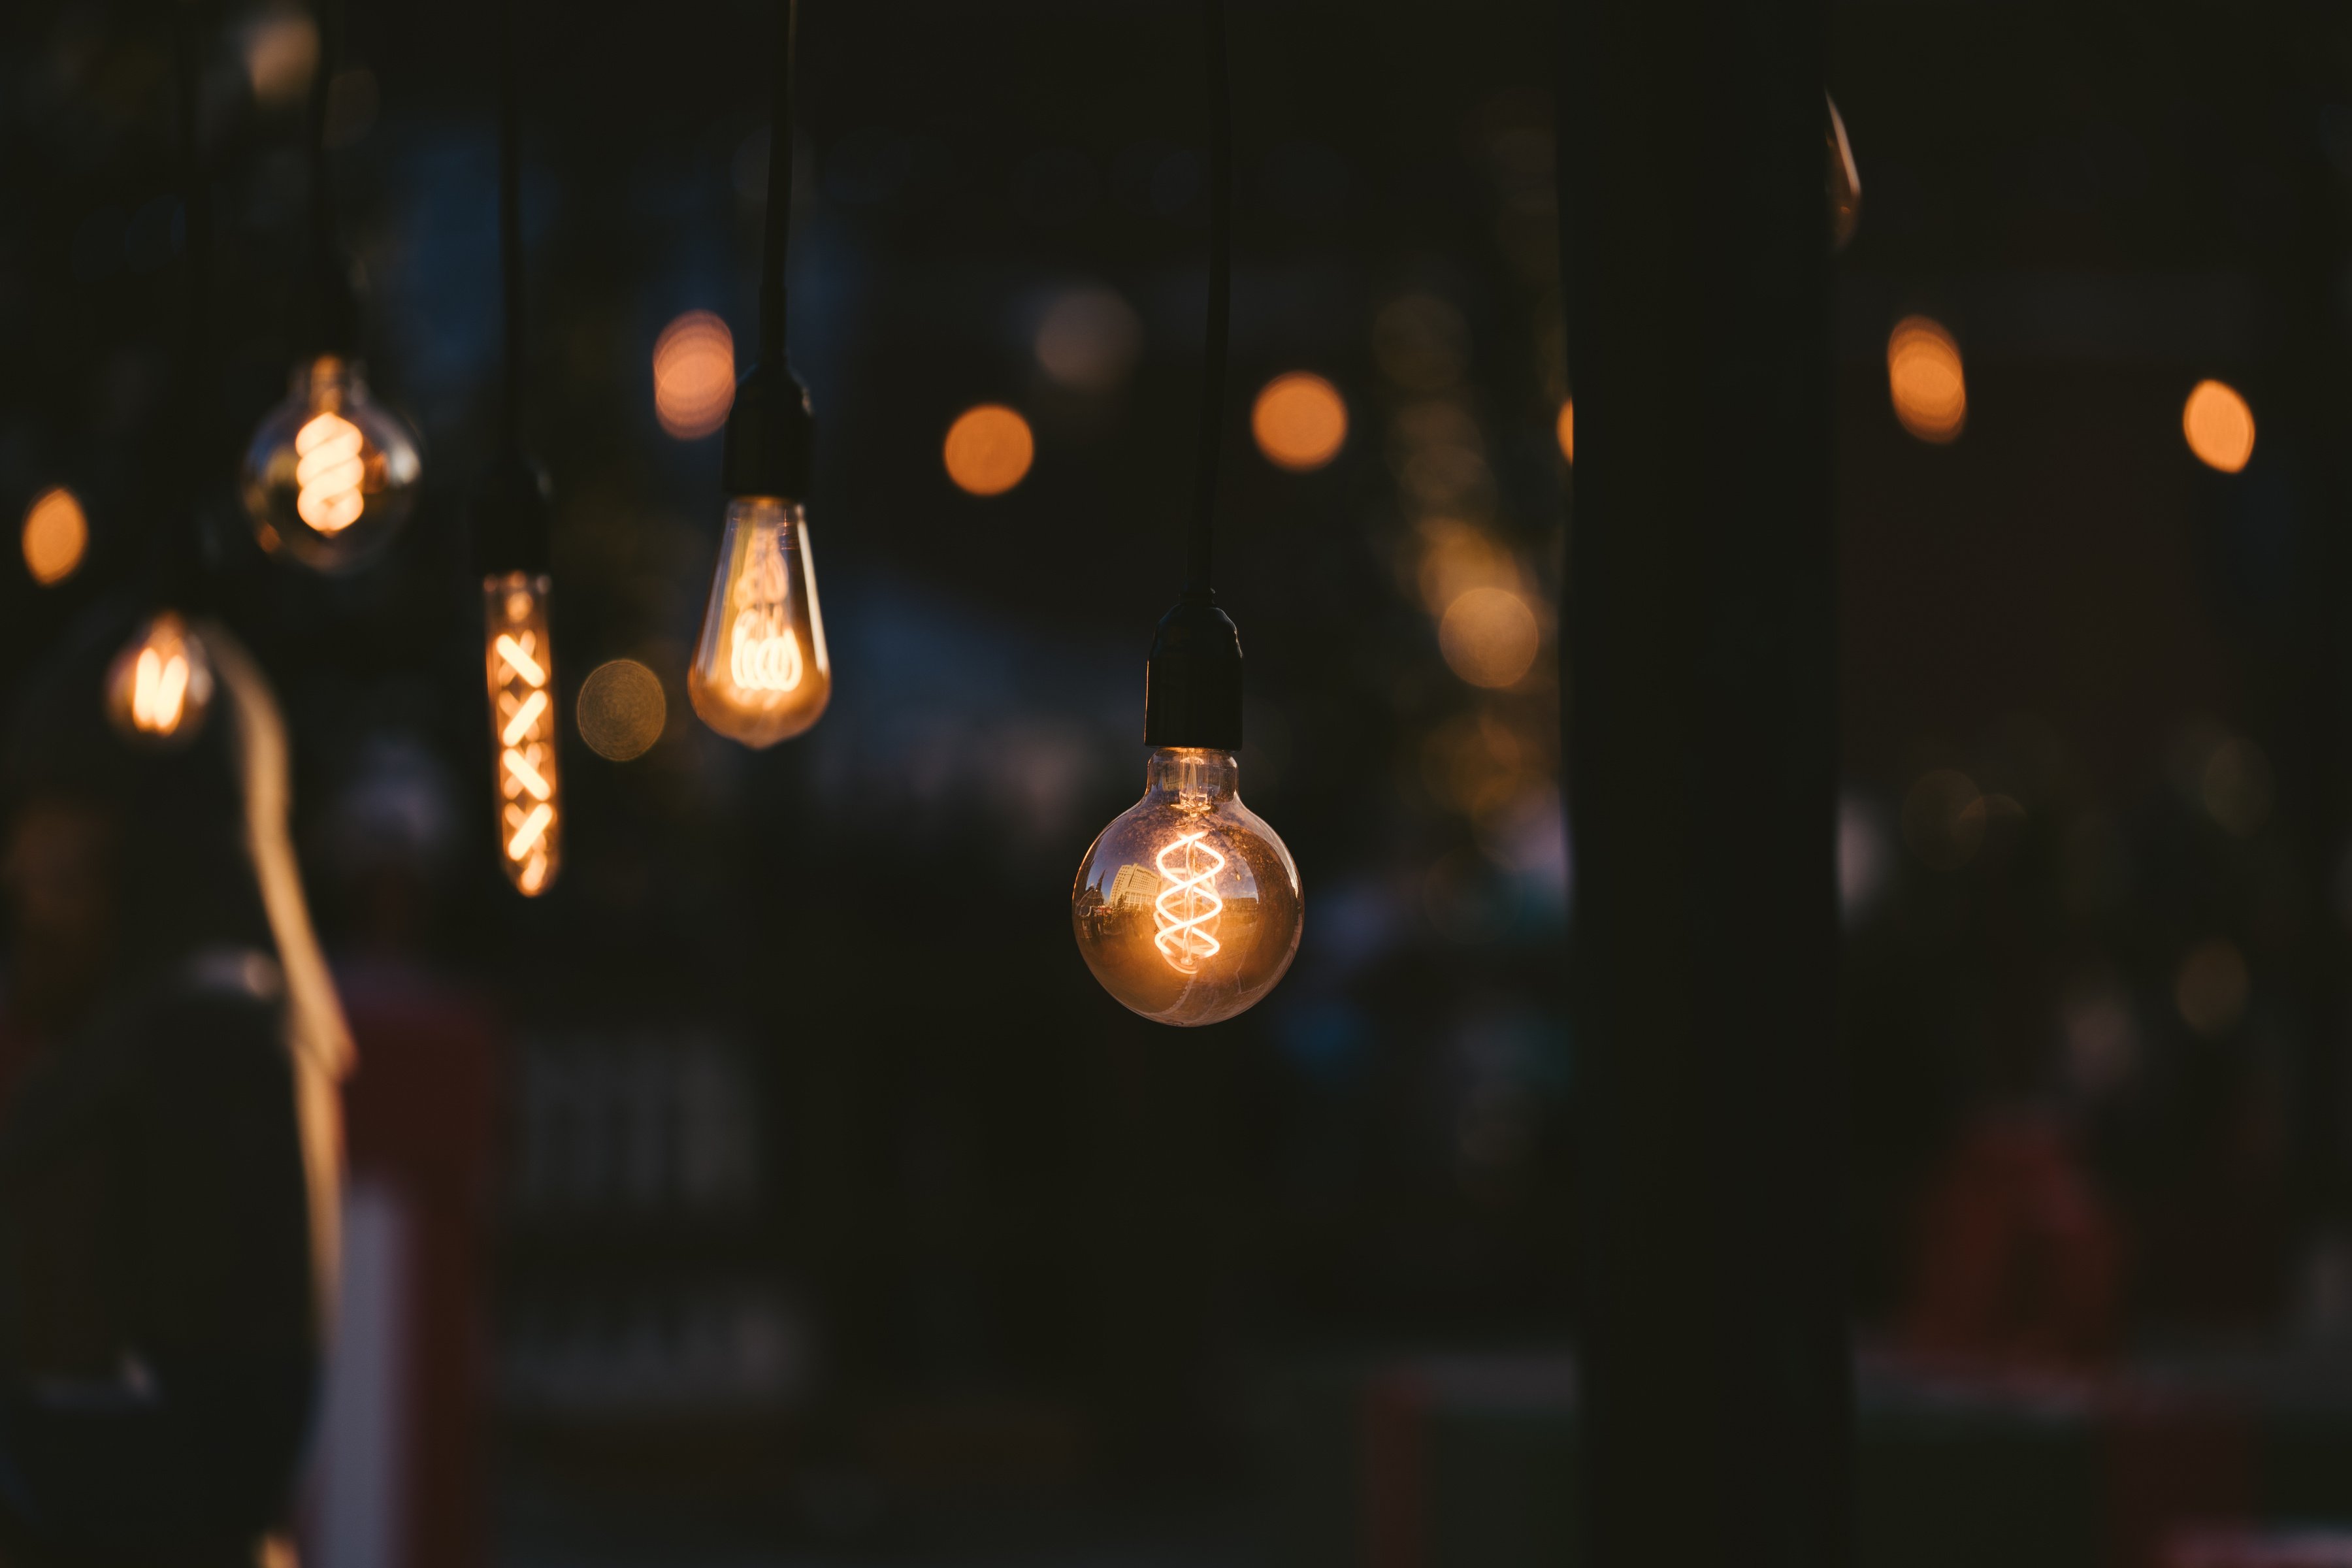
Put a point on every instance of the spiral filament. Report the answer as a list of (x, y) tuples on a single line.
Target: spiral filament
[(762, 653), (329, 468), (1187, 906), (522, 724)]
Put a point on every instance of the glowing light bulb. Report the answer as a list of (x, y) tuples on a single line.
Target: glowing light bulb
[(160, 687), (518, 656), (1187, 907), (331, 474), (760, 672)]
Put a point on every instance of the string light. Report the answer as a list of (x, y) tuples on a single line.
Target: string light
[(159, 688), (761, 671), (1187, 907)]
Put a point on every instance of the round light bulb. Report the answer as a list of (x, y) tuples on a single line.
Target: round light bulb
[(160, 687), (518, 656), (761, 673), (331, 474), (1187, 907)]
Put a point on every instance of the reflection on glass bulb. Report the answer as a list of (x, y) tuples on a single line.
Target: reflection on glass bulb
[(331, 474), (518, 657), (160, 687), (1187, 907), (760, 672)]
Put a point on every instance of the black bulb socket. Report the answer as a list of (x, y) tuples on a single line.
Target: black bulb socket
[(1192, 682), (330, 317), (510, 516), (770, 436)]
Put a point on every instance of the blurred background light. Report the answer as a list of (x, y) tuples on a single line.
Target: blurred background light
[(989, 449), (1089, 339), (281, 50), (694, 376), (622, 710), (1924, 380), (2236, 788), (1564, 430), (1422, 342), (1489, 637), (1944, 818), (2218, 424), (2211, 990), (1300, 421), (56, 535)]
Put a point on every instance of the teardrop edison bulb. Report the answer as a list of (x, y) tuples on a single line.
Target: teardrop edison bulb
[(519, 656), (332, 473), (760, 672), (159, 688), (1187, 906)]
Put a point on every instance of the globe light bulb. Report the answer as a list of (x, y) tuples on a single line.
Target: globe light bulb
[(331, 474), (518, 657), (160, 687), (760, 672), (1187, 907)]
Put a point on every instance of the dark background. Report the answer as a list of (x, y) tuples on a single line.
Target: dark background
[(1029, 1258)]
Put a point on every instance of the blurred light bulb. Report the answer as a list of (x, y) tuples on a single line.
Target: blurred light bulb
[(1187, 907), (761, 673), (331, 474), (519, 656), (160, 687)]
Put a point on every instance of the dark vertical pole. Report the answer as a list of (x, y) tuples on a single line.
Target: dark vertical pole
[(1702, 738)]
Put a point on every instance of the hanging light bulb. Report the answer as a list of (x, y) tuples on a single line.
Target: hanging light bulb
[(332, 473), (519, 656), (159, 688), (761, 671), (1187, 906)]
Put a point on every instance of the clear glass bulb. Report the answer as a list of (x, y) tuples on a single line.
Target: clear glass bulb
[(760, 672), (518, 656), (332, 473), (1187, 906), (160, 687)]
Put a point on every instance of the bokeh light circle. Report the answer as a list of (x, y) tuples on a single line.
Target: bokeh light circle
[(1564, 431), (1924, 382), (694, 376), (989, 449), (56, 535), (622, 710), (1300, 421), (1489, 637), (2218, 424)]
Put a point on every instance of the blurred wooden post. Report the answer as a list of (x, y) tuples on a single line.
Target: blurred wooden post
[(1702, 737)]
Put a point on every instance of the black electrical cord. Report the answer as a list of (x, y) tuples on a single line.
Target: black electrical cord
[(1192, 680), (179, 551), (334, 313), (510, 258), (1221, 289), (778, 242), (770, 437)]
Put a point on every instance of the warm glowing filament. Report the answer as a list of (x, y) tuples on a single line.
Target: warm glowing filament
[(329, 471), (522, 768), (519, 659), (526, 714), (159, 691), (1187, 904), (762, 653)]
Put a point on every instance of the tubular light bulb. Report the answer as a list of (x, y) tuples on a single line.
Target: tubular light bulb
[(518, 657), (160, 687), (332, 473), (760, 672), (1187, 907)]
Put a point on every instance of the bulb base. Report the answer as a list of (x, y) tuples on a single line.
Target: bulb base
[(1192, 682), (770, 436), (510, 514)]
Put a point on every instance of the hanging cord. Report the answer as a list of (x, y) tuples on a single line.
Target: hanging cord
[(779, 192), (332, 309), (1221, 290), (180, 537), (511, 219)]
